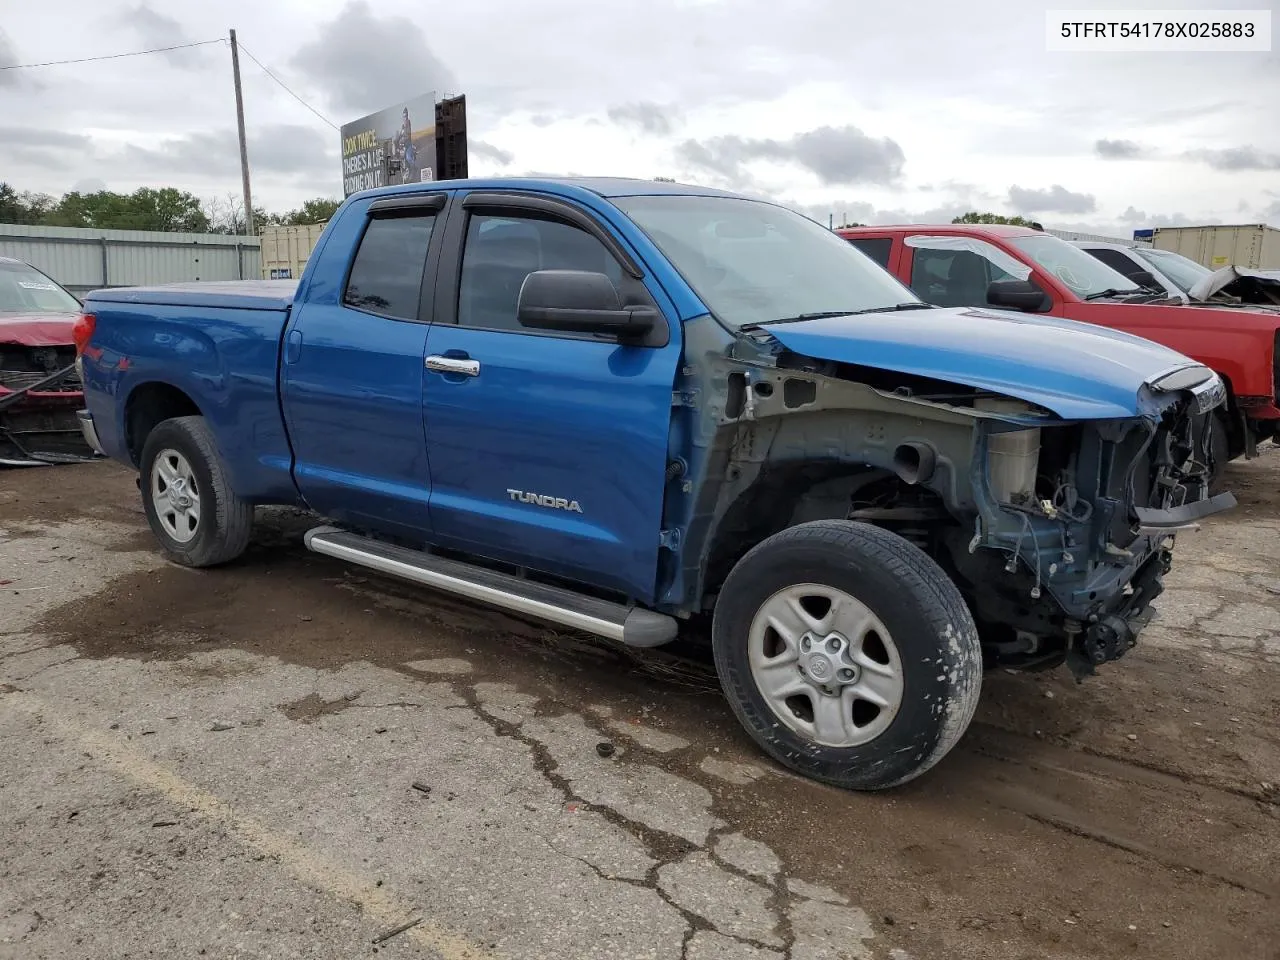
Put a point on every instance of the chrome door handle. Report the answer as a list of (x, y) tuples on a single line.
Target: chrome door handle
[(469, 368)]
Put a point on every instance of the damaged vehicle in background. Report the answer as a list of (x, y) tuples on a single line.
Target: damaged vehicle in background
[(622, 406), (1184, 279), (39, 384), (1025, 271)]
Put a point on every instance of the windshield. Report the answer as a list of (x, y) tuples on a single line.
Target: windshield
[(25, 289), (1080, 271), (1185, 273), (753, 262)]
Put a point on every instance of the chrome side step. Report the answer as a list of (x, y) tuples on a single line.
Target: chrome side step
[(630, 625)]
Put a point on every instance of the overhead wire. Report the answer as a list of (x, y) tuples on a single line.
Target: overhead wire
[(110, 56), (284, 86), (181, 46)]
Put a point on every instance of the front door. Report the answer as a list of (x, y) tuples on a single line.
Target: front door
[(547, 450), (352, 373)]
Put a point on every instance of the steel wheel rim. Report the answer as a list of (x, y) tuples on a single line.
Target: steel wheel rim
[(175, 495), (815, 643)]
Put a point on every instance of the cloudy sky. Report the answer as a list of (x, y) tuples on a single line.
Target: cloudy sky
[(877, 112)]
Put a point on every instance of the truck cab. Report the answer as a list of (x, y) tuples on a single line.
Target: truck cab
[(635, 408)]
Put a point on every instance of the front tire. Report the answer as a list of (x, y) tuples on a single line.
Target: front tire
[(847, 653), (187, 497)]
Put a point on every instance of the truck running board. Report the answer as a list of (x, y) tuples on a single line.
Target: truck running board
[(629, 625)]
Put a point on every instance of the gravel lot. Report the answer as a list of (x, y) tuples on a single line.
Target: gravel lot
[(288, 757)]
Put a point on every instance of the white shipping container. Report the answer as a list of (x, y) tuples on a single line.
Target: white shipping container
[(1255, 246), (285, 250)]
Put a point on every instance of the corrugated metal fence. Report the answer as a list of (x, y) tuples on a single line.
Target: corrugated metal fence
[(83, 260)]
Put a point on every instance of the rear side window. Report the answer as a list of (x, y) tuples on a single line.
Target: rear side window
[(1116, 261), (877, 248), (386, 277)]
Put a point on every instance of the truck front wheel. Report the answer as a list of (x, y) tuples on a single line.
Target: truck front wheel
[(847, 653), (188, 500)]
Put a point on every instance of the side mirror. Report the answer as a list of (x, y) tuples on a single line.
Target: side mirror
[(1018, 295), (1145, 278), (579, 301)]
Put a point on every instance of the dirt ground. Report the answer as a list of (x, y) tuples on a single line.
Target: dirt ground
[(291, 757)]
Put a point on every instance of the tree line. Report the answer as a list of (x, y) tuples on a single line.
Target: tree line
[(164, 209)]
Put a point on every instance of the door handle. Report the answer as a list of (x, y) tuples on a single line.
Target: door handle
[(468, 368)]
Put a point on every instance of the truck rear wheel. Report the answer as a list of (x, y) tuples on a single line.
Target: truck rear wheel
[(847, 653), (192, 510)]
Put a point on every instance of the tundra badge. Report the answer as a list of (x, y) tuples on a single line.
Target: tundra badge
[(542, 500)]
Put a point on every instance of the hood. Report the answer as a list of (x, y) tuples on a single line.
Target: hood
[(1077, 370), (37, 329), (1249, 286)]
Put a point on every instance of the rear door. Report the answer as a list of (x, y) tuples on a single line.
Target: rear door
[(352, 372), (547, 449)]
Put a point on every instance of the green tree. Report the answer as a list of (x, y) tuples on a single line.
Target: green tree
[(26, 207), (974, 217), (319, 210), (166, 210)]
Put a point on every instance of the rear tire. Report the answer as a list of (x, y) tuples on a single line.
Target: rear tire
[(891, 670), (187, 497)]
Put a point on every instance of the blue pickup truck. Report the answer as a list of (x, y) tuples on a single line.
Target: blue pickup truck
[(623, 406)]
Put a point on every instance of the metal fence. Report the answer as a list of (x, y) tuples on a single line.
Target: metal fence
[(83, 260)]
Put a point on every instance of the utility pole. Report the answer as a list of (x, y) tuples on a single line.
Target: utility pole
[(244, 150)]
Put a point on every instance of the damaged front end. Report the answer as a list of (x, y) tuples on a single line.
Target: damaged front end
[(40, 392), (1054, 513), (1079, 519)]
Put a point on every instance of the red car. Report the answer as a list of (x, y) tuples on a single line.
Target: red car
[(1020, 268), (40, 390)]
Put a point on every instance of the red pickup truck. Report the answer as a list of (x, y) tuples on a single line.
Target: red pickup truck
[(1020, 268)]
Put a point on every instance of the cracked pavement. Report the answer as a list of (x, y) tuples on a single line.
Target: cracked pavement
[(290, 758)]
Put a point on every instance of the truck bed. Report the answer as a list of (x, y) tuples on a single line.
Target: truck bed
[(227, 294)]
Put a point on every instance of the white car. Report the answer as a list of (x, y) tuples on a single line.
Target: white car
[(1184, 279)]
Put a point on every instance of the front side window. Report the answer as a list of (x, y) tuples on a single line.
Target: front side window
[(386, 277), (1085, 276), (501, 250), (24, 289), (753, 262), (957, 271)]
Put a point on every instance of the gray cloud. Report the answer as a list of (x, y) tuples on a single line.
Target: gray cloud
[(363, 62), (45, 149), (647, 117), (836, 155), (1140, 218), (36, 137), (480, 148), (1056, 199), (1235, 159), (280, 149), (157, 30), (9, 58), (1118, 149)]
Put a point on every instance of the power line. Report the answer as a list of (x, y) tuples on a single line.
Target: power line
[(110, 56), (284, 86)]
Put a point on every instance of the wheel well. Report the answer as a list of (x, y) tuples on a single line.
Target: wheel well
[(148, 406), (787, 495)]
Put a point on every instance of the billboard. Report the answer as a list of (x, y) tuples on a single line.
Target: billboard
[(395, 145)]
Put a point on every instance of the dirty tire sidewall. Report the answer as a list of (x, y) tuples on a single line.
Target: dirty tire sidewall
[(927, 619), (225, 521)]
